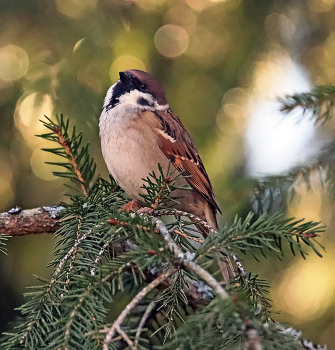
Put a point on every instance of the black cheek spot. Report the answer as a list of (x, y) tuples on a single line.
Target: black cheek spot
[(144, 102)]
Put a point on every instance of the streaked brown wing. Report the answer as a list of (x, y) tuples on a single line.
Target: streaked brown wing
[(177, 145)]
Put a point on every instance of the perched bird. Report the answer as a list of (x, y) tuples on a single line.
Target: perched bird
[(138, 130)]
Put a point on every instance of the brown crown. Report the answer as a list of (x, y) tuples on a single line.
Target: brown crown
[(153, 85)]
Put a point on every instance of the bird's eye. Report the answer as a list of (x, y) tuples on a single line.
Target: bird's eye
[(143, 86)]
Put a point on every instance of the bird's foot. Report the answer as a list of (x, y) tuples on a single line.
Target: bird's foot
[(130, 206)]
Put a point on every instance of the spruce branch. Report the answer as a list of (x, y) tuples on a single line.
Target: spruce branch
[(267, 232), (68, 255), (273, 192), (171, 298), (255, 292), (80, 166), (79, 316), (159, 188), (320, 101), (130, 225)]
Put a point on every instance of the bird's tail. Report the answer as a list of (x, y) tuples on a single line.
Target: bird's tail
[(227, 269), (225, 265)]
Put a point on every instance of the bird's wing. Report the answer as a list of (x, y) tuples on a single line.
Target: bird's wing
[(178, 146)]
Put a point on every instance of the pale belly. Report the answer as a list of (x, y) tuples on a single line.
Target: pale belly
[(130, 155)]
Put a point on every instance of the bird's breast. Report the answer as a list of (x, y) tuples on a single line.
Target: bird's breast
[(130, 151)]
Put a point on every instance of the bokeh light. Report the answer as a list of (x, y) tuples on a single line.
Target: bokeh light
[(321, 5), (124, 63), (171, 40), (132, 43), (6, 175), (149, 5), (38, 163), (14, 62), (206, 48), (307, 288), (39, 71), (29, 110), (76, 8), (237, 119), (182, 16), (198, 5), (275, 144), (89, 76)]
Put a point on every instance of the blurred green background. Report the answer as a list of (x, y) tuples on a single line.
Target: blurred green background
[(218, 61)]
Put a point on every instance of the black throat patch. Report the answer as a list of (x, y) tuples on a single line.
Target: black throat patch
[(120, 89)]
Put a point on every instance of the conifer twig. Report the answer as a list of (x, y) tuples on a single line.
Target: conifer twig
[(161, 192), (117, 323), (239, 265), (182, 234), (68, 254), (102, 250), (127, 224), (64, 143), (192, 217), (320, 101)]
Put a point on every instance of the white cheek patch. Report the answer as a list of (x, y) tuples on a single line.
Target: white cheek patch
[(131, 99)]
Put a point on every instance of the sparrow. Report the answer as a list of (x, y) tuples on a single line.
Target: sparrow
[(138, 131)]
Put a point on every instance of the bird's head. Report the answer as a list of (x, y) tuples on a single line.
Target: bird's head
[(138, 90)]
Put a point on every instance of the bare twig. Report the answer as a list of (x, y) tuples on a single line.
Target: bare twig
[(133, 303), (125, 338), (187, 262), (18, 222), (143, 320)]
